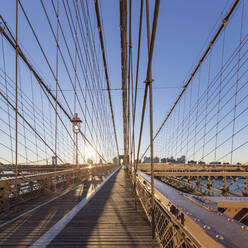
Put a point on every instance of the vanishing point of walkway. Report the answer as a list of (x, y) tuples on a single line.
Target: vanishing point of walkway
[(108, 220)]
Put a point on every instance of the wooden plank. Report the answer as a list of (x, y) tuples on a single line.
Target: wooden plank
[(108, 220), (25, 230)]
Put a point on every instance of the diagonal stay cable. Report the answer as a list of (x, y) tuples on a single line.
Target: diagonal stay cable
[(148, 74), (43, 52), (224, 22), (137, 70), (19, 114), (42, 83)]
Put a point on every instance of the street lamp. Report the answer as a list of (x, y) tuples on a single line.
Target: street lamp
[(76, 122)]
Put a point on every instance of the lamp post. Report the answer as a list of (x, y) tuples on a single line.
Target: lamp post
[(76, 129)]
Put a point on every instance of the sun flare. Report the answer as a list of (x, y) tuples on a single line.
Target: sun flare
[(89, 152)]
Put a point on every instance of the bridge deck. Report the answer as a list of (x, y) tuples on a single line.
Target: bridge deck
[(108, 220), (34, 218)]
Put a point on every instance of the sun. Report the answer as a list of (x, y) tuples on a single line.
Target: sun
[(89, 152)]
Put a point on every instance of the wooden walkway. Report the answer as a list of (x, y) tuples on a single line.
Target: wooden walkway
[(109, 219), (24, 231)]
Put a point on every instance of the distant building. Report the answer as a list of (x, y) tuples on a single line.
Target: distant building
[(171, 160), (181, 160), (115, 160), (147, 160), (215, 163), (156, 160), (163, 160), (191, 162)]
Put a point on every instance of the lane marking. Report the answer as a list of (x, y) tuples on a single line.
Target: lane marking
[(49, 236)]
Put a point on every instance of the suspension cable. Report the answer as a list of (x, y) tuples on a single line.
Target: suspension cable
[(41, 82), (224, 22), (106, 71)]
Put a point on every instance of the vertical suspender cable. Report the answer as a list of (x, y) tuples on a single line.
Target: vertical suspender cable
[(106, 71), (56, 102), (129, 83), (135, 97), (237, 81), (147, 85), (149, 82), (16, 103), (10, 38), (224, 22), (75, 88)]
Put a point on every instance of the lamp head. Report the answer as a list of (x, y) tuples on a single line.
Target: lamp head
[(76, 123)]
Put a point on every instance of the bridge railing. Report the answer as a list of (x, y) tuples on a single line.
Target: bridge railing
[(17, 190), (179, 222), (167, 231), (210, 180)]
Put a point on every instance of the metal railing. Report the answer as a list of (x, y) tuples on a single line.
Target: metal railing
[(168, 231), (16, 190), (180, 222)]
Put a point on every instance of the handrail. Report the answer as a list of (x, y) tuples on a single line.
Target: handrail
[(19, 189), (179, 220)]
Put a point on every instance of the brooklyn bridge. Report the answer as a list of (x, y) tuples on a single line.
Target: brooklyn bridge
[(124, 123)]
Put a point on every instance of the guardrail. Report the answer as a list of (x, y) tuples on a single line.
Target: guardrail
[(14, 191), (179, 222), (203, 180)]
